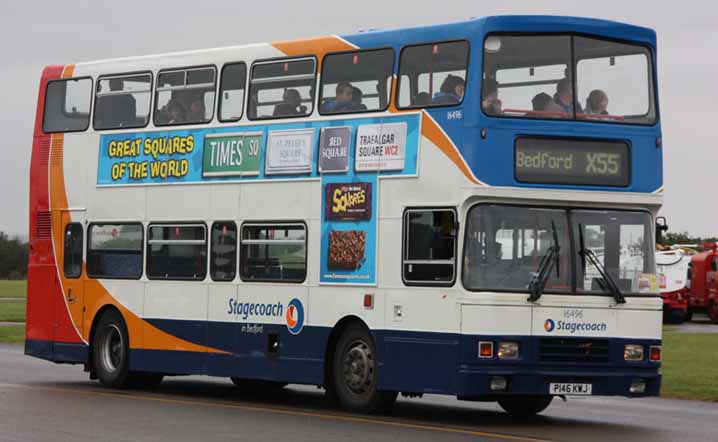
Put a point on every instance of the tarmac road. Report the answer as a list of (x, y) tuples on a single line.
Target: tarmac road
[(40, 401)]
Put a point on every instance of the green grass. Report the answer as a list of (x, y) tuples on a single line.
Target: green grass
[(12, 311), (13, 334), (690, 366), (13, 289)]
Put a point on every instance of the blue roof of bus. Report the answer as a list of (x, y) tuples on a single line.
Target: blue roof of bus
[(476, 27)]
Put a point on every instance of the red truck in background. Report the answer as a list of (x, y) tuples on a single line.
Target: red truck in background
[(703, 282)]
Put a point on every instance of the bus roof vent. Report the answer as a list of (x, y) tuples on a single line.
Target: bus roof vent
[(43, 225)]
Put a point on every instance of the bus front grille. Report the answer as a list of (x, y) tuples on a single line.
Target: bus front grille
[(573, 350)]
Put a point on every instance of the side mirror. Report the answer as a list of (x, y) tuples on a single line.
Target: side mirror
[(661, 226)]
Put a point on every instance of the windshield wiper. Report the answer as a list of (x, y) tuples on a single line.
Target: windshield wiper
[(609, 283), (548, 262)]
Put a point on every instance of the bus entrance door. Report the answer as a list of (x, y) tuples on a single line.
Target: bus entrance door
[(73, 266)]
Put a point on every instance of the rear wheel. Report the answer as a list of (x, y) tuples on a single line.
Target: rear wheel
[(355, 373), (111, 355), (525, 406), (110, 350)]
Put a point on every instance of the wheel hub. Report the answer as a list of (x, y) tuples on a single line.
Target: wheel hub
[(359, 367), (112, 348)]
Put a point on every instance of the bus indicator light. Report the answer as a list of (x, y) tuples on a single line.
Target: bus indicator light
[(486, 349), (368, 301)]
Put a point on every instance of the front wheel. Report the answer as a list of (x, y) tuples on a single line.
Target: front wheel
[(676, 316), (355, 373), (525, 406)]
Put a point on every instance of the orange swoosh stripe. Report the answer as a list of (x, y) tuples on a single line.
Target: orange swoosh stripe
[(142, 334), (319, 46)]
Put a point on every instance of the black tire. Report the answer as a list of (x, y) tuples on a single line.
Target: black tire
[(110, 351), (525, 406), (257, 385), (111, 356), (355, 373), (689, 314), (676, 316)]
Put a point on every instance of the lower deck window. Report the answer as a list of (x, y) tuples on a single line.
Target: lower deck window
[(429, 246), (274, 252), (177, 251), (115, 251)]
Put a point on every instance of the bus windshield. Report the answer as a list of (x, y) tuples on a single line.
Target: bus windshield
[(505, 245), (567, 77)]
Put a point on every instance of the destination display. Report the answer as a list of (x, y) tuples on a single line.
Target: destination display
[(578, 162)]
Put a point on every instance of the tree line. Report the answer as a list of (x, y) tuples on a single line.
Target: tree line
[(671, 238), (13, 257)]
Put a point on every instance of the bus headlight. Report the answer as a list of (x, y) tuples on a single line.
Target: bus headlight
[(633, 352), (508, 350)]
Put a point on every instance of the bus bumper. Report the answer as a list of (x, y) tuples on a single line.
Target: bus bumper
[(477, 384)]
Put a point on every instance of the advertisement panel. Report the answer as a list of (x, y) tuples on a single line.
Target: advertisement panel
[(380, 147), (290, 151), (334, 149), (232, 154)]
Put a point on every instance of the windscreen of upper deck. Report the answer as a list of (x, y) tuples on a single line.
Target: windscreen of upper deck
[(567, 77)]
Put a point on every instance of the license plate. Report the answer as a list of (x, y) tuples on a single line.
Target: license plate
[(570, 388)]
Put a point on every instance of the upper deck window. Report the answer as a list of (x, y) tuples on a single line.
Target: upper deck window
[(282, 89), (67, 105), (185, 96), (122, 101), (567, 77), (231, 91), (432, 74), (357, 81)]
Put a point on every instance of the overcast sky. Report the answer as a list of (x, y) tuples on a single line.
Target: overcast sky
[(34, 34)]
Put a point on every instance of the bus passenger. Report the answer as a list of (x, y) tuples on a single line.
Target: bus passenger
[(597, 103), (291, 104), (196, 111), (491, 103), (541, 101), (563, 101), (451, 91), (175, 112), (357, 96), (422, 99), (343, 100), (115, 110)]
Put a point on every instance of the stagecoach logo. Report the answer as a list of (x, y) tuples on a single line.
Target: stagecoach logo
[(572, 327), (549, 325), (254, 311), (295, 316)]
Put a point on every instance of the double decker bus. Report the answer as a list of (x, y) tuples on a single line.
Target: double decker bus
[(463, 209)]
